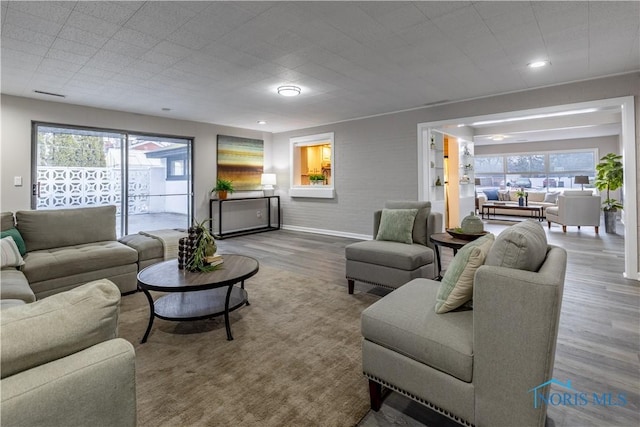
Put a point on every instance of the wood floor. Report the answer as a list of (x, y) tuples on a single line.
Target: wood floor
[(599, 338)]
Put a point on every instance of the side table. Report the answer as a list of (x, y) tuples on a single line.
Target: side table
[(448, 241)]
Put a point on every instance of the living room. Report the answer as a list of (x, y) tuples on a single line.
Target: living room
[(375, 152)]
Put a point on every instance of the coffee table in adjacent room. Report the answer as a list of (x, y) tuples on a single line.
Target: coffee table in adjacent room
[(196, 295)]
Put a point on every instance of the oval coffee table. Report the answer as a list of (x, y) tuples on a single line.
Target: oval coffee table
[(196, 295)]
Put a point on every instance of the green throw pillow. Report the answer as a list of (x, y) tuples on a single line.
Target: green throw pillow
[(456, 287), (13, 232), (396, 225)]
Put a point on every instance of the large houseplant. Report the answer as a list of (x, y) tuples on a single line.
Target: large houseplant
[(609, 176), (223, 187)]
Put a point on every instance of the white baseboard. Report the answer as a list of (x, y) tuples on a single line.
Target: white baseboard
[(327, 232), (632, 276)]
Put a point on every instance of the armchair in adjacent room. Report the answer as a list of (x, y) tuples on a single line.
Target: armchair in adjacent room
[(397, 255), (575, 208)]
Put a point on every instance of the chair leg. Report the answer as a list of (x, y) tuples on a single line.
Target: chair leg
[(564, 228), (578, 227), (350, 284), (549, 222), (597, 229), (375, 394)]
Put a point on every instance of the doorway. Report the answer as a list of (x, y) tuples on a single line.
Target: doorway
[(147, 177), (624, 106)]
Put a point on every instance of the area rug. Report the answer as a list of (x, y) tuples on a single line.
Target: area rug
[(295, 359)]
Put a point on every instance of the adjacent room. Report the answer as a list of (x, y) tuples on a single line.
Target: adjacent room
[(240, 213)]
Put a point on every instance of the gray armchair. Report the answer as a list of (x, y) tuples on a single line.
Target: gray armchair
[(391, 264), (575, 208), (477, 366), (62, 363)]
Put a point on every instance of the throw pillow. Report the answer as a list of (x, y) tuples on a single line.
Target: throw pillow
[(551, 198), (503, 196), (396, 225), (17, 238), (456, 287), (491, 194), (10, 253), (420, 223), (522, 246)]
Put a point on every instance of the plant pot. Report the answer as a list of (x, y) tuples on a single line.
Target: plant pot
[(222, 195), (610, 221)]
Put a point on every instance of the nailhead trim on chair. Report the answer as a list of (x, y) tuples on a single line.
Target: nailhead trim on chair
[(370, 283), (420, 400)]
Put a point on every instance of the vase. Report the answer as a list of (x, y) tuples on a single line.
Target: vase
[(471, 224), (520, 201)]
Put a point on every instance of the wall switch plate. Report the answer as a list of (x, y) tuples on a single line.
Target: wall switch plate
[(259, 214), (17, 181)]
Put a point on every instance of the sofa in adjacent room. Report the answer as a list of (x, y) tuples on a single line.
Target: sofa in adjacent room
[(534, 198), (63, 249)]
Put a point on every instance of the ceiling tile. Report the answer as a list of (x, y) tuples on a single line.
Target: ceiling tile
[(31, 22), (114, 12), (48, 10), (90, 24)]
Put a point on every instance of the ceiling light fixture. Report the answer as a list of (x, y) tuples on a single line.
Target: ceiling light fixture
[(498, 137), (538, 64), (262, 122), (289, 90)]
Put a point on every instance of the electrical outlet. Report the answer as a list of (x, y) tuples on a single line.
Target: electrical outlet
[(259, 214)]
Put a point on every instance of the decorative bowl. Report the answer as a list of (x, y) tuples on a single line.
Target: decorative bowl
[(465, 236)]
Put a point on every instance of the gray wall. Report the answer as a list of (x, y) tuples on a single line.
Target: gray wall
[(375, 158)]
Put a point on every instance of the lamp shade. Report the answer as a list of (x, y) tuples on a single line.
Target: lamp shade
[(477, 181), (268, 179), (581, 179)]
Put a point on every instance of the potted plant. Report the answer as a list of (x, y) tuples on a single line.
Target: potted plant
[(203, 245), (609, 176), (223, 187), (316, 178), (521, 196)]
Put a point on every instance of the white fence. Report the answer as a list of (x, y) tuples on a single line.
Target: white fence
[(68, 187)]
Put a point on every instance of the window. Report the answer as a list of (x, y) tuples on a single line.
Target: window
[(312, 166), (541, 171), (147, 177)]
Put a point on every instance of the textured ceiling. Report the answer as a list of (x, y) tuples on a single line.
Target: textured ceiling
[(221, 62)]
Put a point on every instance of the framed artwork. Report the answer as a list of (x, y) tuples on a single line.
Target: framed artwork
[(241, 160)]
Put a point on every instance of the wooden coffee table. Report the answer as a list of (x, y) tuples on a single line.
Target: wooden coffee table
[(537, 212), (196, 296)]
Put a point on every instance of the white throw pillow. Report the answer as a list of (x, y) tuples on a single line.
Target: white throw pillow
[(10, 253)]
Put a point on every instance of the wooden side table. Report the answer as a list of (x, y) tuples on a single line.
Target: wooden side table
[(446, 240)]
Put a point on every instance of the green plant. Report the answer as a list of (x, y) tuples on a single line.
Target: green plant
[(205, 246), (224, 185), (521, 193), (609, 176), (316, 177)]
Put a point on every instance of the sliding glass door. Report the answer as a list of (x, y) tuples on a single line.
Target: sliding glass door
[(79, 167)]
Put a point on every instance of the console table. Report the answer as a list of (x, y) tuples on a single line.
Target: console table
[(270, 226)]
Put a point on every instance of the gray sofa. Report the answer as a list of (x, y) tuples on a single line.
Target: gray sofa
[(391, 264), (62, 364), (476, 366), (65, 249), (535, 198)]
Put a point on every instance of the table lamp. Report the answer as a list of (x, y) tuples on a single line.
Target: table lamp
[(581, 179), (268, 180)]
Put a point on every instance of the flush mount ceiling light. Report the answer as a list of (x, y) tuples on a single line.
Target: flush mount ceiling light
[(289, 90), (538, 64), (498, 137), (262, 122)]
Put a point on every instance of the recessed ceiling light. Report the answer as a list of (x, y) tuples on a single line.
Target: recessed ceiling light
[(538, 64), (262, 122), (289, 90)]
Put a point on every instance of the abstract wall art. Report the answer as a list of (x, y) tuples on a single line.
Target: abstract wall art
[(241, 160)]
